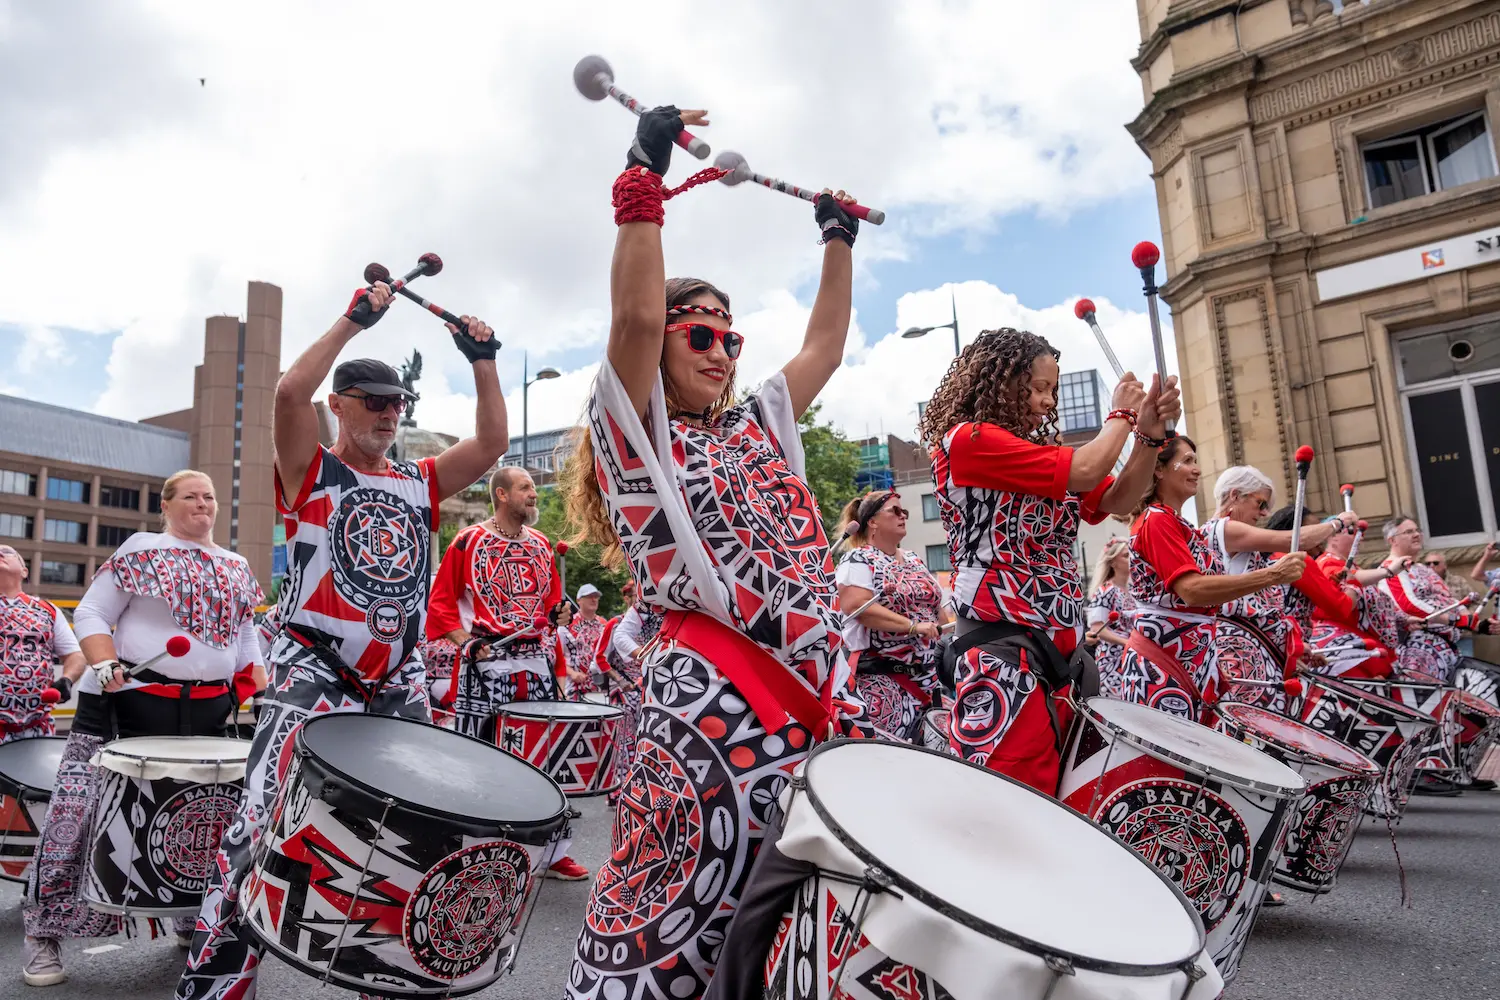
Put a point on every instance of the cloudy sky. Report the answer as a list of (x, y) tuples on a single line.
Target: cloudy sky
[(160, 154)]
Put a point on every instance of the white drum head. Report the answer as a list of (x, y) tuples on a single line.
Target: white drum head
[(988, 851), (202, 759), (1296, 737), (1193, 747)]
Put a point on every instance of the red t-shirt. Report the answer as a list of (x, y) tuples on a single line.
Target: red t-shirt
[(501, 585), (1012, 523)]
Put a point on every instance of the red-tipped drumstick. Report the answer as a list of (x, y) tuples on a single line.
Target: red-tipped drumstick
[(1144, 256), (596, 80), (1348, 491), (739, 171), (561, 548), (1084, 310), (428, 263), (177, 646), (1304, 463), (51, 696)]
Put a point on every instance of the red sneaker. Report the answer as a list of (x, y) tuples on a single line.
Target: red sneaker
[(568, 870)]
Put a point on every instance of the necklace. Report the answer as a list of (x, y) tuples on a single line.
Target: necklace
[(505, 534)]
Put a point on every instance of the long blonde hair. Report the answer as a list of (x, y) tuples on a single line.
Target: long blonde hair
[(579, 481), (1104, 570), (176, 479)]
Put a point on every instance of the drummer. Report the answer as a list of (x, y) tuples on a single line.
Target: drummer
[(1363, 644), (359, 530), (1432, 648), (580, 639), (1011, 498), (1109, 593), (622, 647), (705, 497), (154, 588), (1255, 639), (893, 643), (1179, 581), (34, 636)]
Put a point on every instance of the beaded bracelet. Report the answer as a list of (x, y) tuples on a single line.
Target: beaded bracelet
[(1129, 416), (1150, 442)]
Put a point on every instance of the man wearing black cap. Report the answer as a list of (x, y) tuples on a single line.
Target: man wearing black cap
[(359, 533)]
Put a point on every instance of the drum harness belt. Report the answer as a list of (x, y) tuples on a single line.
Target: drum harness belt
[(322, 650), (1046, 662), (154, 683)]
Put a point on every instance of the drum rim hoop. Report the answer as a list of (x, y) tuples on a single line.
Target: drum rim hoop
[(136, 758), (551, 823), (1173, 757), (966, 919), (1317, 757), (1348, 690), (607, 712)]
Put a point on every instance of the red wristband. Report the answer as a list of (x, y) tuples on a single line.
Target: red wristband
[(638, 197), (1129, 416)]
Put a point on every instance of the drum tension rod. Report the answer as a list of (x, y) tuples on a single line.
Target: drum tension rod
[(1059, 967), (1194, 973)]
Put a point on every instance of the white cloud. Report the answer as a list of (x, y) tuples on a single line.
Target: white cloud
[(320, 140)]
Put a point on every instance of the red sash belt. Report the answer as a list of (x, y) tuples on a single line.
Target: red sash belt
[(768, 686), (1163, 661), (196, 692)]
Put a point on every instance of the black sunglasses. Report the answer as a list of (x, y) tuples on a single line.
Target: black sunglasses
[(378, 404)]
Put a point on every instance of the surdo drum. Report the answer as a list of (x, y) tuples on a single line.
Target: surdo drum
[(970, 891), (400, 858), (1429, 696), (1480, 730), (28, 769), (164, 802), (1388, 732), (1208, 811), (572, 742), (1339, 780)]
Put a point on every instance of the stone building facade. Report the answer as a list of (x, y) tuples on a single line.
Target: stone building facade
[(1327, 181)]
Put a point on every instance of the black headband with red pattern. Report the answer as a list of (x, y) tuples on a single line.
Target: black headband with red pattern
[(867, 509)]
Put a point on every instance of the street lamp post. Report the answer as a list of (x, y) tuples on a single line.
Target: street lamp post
[(526, 382), (914, 332)]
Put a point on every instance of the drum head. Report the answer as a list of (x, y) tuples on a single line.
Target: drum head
[(30, 765), (1356, 694), (999, 857), (561, 710), (1192, 747), (1295, 737), (1466, 703), (432, 770), (187, 758)]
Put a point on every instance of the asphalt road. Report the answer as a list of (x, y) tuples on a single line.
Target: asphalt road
[(1357, 943)]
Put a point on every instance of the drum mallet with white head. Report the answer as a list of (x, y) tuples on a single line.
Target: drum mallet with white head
[(1359, 534), (1304, 464), (1084, 310), (596, 80), (739, 170), (1144, 256)]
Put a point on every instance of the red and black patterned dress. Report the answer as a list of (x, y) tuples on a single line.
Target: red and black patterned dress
[(492, 585), (1431, 649), (1169, 661), (1253, 631), (894, 673), (1012, 524), (1107, 655), (723, 533), (580, 642), (34, 636), (1362, 643)]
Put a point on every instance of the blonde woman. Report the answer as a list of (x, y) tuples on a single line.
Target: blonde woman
[(1109, 592)]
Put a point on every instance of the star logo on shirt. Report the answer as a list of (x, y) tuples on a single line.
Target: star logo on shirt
[(382, 542)]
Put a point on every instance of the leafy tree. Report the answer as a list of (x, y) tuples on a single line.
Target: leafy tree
[(832, 462), (582, 560)]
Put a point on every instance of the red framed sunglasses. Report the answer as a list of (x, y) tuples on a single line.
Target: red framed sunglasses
[(701, 338)]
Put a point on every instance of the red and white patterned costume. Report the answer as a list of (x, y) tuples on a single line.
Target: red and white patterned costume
[(34, 636), (1361, 644), (492, 585), (1169, 661), (1107, 655), (894, 673), (580, 642), (1431, 649), (1252, 633), (722, 532), (1012, 524)]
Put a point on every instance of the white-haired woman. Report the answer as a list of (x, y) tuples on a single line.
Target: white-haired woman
[(1256, 640), (1109, 593)]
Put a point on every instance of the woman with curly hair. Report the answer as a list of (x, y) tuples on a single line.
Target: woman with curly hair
[(1179, 583), (1011, 497), (893, 643), (707, 501)]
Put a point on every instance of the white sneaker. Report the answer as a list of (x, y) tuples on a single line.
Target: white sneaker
[(43, 962)]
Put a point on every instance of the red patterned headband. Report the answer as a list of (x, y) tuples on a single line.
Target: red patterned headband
[(702, 311)]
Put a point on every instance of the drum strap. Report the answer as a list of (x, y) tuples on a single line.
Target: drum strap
[(334, 662), (1278, 656), (900, 673), (1165, 662), (1046, 662)]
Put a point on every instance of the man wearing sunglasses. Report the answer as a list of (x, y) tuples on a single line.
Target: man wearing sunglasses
[(359, 533)]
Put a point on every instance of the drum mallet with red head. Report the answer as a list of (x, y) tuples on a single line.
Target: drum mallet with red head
[(1084, 310), (561, 548), (1144, 256), (1304, 463), (177, 646), (738, 170), (596, 80), (1348, 492)]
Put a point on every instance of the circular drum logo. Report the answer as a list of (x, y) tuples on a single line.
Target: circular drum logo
[(380, 546), (1188, 834), (386, 620), (185, 834), (465, 906)]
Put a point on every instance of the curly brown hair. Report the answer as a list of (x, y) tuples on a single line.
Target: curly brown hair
[(579, 481), (990, 382)]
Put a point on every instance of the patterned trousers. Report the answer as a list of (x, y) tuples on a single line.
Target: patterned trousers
[(486, 685), (890, 706), (1000, 721), (224, 958), (41, 726)]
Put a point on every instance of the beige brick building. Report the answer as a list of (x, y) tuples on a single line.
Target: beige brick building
[(1330, 202)]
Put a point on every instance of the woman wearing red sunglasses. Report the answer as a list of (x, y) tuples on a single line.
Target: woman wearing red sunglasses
[(707, 498), (893, 643)]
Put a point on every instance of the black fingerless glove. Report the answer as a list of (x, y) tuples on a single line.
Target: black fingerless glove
[(476, 350), (64, 689), (359, 312), (655, 132), (835, 222)]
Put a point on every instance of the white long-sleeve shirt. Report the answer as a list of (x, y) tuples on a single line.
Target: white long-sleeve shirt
[(158, 586)]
